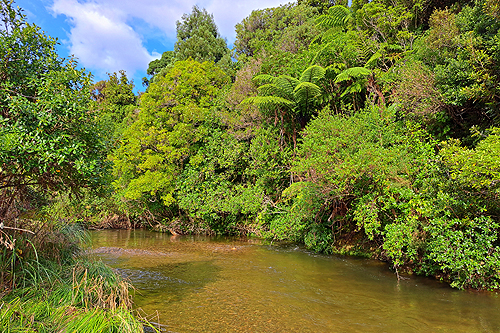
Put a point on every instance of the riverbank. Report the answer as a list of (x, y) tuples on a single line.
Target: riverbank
[(48, 283)]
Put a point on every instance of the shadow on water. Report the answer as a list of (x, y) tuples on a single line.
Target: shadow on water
[(169, 283), (156, 275)]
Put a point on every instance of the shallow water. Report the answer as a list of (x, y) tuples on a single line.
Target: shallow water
[(203, 284)]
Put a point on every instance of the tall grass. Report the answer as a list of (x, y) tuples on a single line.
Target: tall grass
[(26, 244), (48, 285), (41, 316)]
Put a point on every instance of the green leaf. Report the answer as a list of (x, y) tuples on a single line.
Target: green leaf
[(313, 74), (352, 73), (287, 84), (269, 102), (338, 16), (373, 60), (263, 79), (306, 92)]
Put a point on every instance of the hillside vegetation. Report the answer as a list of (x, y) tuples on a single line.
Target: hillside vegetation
[(371, 129)]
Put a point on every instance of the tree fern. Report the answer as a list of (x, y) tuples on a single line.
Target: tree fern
[(271, 90), (287, 84), (331, 73), (356, 87), (263, 79), (306, 94), (352, 73), (313, 74), (338, 16), (284, 91), (288, 97), (358, 79), (306, 90), (269, 102)]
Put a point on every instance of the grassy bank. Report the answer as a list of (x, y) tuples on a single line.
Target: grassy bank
[(48, 284)]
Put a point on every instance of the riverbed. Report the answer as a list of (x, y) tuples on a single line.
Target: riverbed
[(207, 284)]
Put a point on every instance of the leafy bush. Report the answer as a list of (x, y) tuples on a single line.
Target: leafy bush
[(373, 176), (466, 250)]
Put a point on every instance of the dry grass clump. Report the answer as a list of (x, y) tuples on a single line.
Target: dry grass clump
[(100, 291)]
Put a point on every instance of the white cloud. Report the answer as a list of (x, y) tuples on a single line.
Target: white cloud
[(102, 37)]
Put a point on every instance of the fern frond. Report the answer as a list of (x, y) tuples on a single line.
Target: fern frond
[(325, 21), (363, 49), (269, 102), (373, 60), (352, 74), (313, 61), (306, 94), (286, 84), (263, 79), (332, 33), (269, 90), (306, 90), (317, 39), (393, 48), (313, 74), (338, 16), (338, 10), (356, 87), (327, 45)]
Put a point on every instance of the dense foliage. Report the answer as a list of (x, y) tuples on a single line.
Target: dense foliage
[(368, 128), (48, 138), (52, 141)]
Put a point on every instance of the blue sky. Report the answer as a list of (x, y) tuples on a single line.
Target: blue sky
[(110, 35)]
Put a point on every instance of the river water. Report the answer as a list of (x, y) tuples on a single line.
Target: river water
[(203, 284)]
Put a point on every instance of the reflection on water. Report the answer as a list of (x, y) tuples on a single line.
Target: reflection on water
[(202, 284)]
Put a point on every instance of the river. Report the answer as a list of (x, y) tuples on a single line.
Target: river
[(205, 284)]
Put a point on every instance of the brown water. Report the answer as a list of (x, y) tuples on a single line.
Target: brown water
[(202, 284)]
